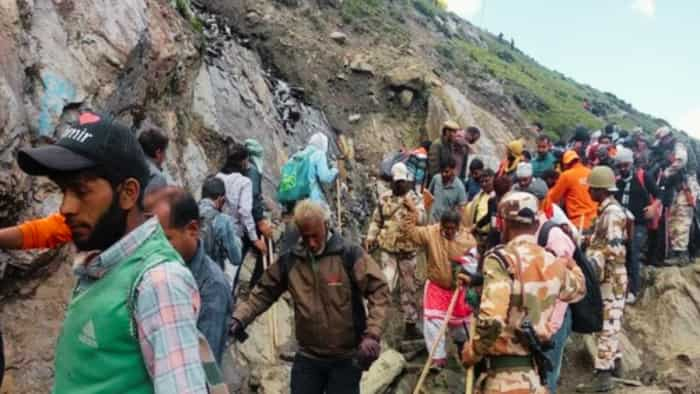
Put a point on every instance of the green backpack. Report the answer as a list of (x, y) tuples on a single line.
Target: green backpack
[(294, 180)]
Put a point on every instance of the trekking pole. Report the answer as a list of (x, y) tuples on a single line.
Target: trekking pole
[(270, 314), (433, 348), (580, 231), (470, 372), (340, 218), (271, 260)]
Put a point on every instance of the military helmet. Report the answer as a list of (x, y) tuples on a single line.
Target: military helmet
[(519, 207), (602, 177)]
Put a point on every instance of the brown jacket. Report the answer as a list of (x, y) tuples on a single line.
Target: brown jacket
[(322, 294), (439, 251)]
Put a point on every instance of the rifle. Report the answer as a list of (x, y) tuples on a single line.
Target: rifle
[(526, 335)]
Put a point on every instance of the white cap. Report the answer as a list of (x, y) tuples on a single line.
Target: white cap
[(399, 172), (624, 155), (524, 170)]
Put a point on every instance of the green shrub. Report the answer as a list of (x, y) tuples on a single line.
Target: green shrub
[(426, 7)]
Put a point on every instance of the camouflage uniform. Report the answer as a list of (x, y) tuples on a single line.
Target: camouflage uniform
[(681, 213), (397, 251), (608, 250), (522, 280)]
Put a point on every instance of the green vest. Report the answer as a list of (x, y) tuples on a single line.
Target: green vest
[(98, 349)]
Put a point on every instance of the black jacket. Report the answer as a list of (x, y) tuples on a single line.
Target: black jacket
[(638, 195)]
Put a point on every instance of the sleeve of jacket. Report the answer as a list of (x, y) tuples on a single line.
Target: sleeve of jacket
[(268, 289), (573, 283), (651, 186), (48, 232), (214, 315), (495, 302), (245, 210), (258, 207), (230, 240), (371, 282), (324, 172), (417, 234), (374, 224)]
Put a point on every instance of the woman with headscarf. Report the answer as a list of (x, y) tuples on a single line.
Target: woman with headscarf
[(514, 156), (320, 171)]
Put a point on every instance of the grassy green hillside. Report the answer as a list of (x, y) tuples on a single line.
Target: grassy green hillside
[(542, 94)]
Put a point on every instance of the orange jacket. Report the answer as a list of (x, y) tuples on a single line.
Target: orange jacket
[(48, 232), (572, 189)]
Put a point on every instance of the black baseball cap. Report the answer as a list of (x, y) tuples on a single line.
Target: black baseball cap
[(92, 142)]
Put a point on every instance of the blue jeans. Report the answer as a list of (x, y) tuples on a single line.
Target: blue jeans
[(556, 354), (633, 263)]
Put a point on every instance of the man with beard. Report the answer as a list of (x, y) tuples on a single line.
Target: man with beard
[(397, 252), (131, 325)]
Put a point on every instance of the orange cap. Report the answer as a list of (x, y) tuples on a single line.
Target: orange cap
[(569, 156)]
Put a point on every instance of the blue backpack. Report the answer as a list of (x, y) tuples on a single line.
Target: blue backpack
[(294, 180)]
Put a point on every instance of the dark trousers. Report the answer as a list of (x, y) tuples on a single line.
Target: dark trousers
[(311, 376), (258, 270), (633, 263)]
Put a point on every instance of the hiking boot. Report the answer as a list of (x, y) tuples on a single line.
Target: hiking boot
[(411, 332), (618, 371), (631, 299), (602, 383)]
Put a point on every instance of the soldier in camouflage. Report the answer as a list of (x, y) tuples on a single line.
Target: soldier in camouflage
[(607, 251), (522, 281), (398, 253), (684, 189)]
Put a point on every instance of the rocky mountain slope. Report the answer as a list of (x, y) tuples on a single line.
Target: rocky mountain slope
[(374, 75)]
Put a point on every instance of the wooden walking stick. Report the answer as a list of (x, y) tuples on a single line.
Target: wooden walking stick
[(273, 312), (470, 372), (340, 218), (270, 314), (443, 329)]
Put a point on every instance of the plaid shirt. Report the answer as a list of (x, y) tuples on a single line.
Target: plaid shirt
[(166, 309)]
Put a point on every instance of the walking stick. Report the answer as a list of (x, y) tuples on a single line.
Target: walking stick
[(340, 218), (271, 260), (470, 372), (443, 329), (270, 315)]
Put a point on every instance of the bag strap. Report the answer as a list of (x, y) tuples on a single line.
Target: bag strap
[(543, 236)]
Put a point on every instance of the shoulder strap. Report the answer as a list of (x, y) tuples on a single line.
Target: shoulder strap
[(544, 233)]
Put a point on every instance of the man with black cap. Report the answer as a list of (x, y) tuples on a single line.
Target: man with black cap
[(132, 323)]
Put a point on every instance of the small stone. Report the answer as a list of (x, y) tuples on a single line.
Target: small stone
[(354, 118), (360, 64), (406, 98), (342, 77), (339, 37)]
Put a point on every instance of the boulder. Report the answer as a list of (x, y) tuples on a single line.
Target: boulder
[(383, 372), (414, 76), (406, 98), (339, 37), (448, 103), (360, 64)]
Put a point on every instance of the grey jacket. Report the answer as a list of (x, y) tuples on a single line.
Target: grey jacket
[(217, 305)]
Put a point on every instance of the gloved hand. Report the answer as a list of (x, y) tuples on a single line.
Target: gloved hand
[(237, 331), (368, 352)]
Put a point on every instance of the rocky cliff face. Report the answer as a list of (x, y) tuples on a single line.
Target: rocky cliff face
[(219, 72)]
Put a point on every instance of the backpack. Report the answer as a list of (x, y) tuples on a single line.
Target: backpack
[(213, 247), (587, 314), (350, 254), (294, 179)]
